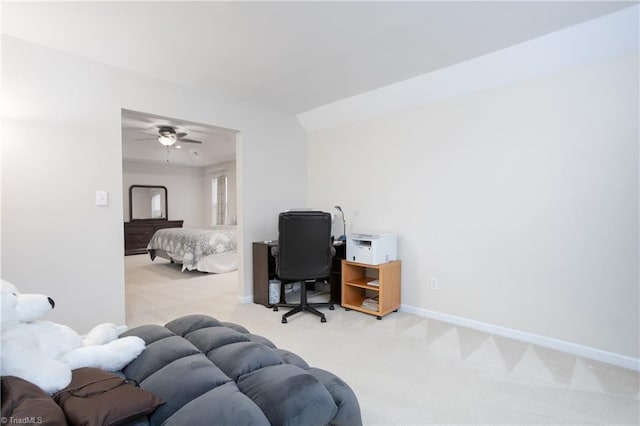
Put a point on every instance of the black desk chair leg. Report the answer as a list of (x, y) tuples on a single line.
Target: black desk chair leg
[(306, 306)]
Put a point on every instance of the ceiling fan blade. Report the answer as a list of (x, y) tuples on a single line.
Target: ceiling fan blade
[(188, 141), (181, 135), (147, 139)]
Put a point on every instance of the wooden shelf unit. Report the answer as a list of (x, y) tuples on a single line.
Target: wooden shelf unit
[(356, 288)]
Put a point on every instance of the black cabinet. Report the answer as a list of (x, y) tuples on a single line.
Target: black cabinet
[(264, 269), (335, 279)]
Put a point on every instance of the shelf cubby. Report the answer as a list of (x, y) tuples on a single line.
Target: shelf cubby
[(356, 286)]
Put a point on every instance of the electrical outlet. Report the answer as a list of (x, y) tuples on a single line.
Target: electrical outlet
[(434, 283)]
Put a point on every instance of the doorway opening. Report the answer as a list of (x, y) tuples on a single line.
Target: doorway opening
[(197, 164)]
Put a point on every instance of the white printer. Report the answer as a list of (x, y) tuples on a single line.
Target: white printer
[(371, 249)]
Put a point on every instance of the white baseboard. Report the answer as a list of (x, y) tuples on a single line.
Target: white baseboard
[(245, 299), (548, 342)]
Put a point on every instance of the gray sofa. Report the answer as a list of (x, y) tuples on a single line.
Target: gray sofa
[(211, 372)]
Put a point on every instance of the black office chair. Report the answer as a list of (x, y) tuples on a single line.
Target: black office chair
[(303, 254)]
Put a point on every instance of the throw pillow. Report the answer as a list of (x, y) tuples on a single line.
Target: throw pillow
[(25, 403), (99, 398)]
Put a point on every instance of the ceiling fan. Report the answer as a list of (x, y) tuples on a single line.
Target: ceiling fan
[(168, 136)]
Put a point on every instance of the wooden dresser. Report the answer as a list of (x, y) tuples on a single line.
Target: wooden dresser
[(138, 233)]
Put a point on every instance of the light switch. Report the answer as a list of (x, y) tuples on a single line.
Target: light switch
[(102, 198)]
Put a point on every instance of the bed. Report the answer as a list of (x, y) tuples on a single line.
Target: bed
[(213, 250)]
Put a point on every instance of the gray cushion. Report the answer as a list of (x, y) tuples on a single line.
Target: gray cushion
[(260, 339), (157, 355), (214, 373), (236, 327), (197, 376), (149, 333), (185, 325), (291, 358), (224, 405), (237, 359), (207, 339), (348, 408), (289, 395)]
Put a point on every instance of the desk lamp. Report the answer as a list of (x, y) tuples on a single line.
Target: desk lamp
[(342, 237)]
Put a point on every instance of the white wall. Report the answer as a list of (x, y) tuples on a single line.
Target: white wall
[(184, 189), (522, 200), (62, 141)]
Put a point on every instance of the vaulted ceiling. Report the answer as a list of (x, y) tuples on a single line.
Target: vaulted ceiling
[(292, 56)]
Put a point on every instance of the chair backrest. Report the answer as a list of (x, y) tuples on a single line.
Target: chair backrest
[(304, 245)]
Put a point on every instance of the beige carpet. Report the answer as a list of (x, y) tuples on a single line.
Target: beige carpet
[(405, 370)]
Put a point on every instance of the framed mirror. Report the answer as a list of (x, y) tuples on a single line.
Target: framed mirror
[(148, 202)]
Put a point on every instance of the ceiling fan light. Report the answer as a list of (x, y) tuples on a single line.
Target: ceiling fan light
[(167, 140)]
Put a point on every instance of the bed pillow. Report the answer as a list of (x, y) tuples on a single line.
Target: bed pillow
[(100, 398), (24, 400)]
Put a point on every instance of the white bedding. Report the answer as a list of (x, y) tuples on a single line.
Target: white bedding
[(214, 263), (204, 249)]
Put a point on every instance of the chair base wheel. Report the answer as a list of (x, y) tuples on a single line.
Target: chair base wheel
[(331, 308), (323, 319), (275, 309), (284, 320)]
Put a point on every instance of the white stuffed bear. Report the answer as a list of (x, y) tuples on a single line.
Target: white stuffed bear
[(44, 352)]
